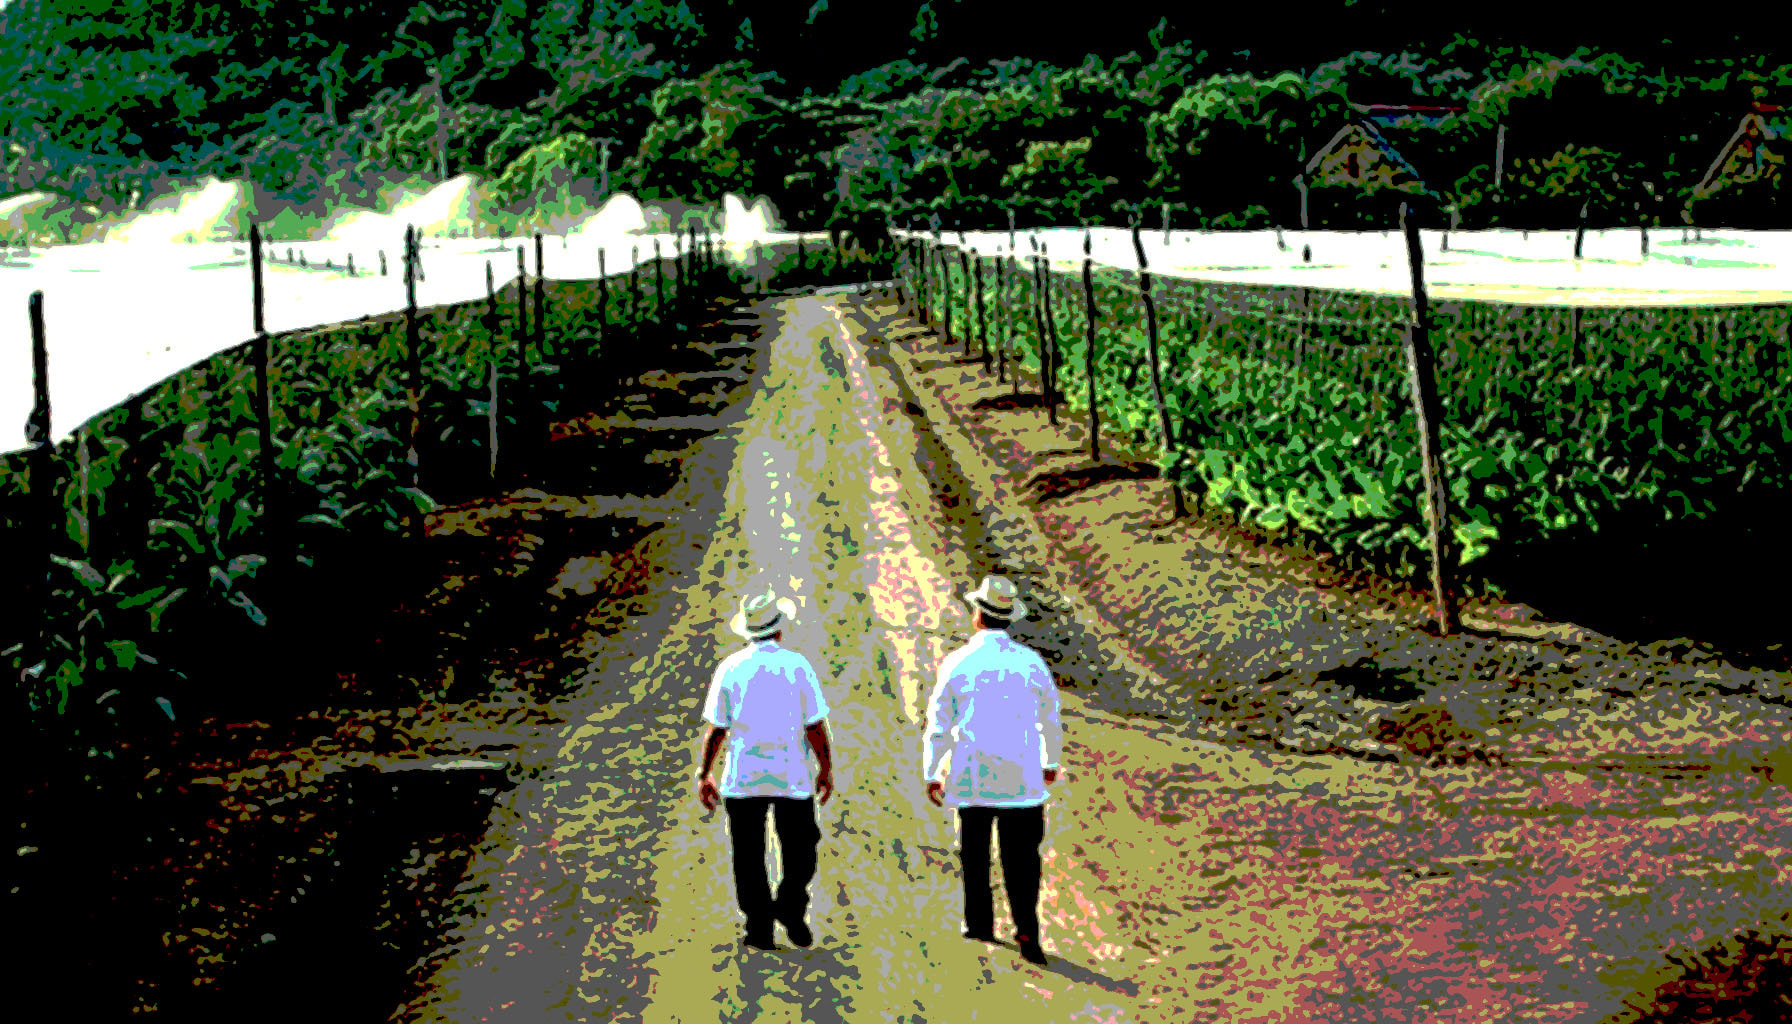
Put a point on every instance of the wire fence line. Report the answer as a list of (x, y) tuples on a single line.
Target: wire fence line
[(1293, 404)]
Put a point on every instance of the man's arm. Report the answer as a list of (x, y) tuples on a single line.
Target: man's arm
[(706, 783), (818, 741), (1051, 728), (942, 711)]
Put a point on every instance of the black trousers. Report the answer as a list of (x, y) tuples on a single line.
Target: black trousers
[(1022, 830), (798, 836)]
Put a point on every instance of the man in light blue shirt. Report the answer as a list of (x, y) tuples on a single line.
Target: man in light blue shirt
[(765, 701), (991, 749)]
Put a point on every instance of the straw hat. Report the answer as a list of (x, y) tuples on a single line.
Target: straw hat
[(762, 615), (995, 595)]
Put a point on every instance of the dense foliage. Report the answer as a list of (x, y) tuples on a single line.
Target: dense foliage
[(835, 113), (1292, 407)]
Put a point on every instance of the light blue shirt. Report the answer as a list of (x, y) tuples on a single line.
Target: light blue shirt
[(765, 696), (993, 724)]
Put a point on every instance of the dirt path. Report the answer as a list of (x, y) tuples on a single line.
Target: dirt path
[(1185, 880)]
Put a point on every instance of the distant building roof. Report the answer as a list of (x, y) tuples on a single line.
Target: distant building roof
[(1746, 157)]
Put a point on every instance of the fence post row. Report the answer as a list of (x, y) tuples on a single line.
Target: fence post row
[(1429, 411), (1157, 383), (1089, 343)]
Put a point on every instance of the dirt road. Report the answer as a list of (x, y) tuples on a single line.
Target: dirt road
[(1184, 881)]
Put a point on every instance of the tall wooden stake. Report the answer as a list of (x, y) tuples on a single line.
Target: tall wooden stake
[(1051, 336), (1089, 345), (1157, 382), (982, 324), (964, 265), (413, 355), (497, 353), (1429, 412), (659, 287), (273, 513), (541, 304), (522, 311), (43, 485)]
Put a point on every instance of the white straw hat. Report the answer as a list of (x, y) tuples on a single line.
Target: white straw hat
[(995, 595), (762, 615)]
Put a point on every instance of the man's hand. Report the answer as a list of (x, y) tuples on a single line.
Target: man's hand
[(824, 784), (1051, 776), (707, 791), (936, 791)]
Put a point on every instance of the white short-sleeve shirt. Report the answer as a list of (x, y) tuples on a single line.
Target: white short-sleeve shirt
[(765, 696), (993, 724)]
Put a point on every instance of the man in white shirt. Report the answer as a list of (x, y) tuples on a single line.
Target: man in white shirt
[(991, 749), (764, 701)]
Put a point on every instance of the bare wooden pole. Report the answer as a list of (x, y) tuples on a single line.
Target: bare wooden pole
[(1051, 337), (413, 354), (634, 288), (1429, 412), (1157, 381), (659, 287), (496, 354), (273, 513), (945, 290), (43, 484), (1001, 319), (1580, 231), (603, 302), (982, 323), (522, 310), (964, 265), (1089, 345), (541, 304)]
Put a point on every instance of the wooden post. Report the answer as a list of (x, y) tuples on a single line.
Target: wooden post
[(413, 354), (1047, 334), (634, 288), (603, 302), (945, 289), (272, 508), (964, 264), (1499, 157), (43, 485), (382, 263), (982, 324), (496, 353), (659, 287), (522, 311), (1429, 412), (1300, 185), (1001, 319), (1089, 345), (351, 264), (1157, 383), (1303, 223), (1051, 335), (1038, 304), (541, 311), (1580, 231)]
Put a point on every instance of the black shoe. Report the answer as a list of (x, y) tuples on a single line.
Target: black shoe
[(1030, 950), (799, 933), (978, 935), (763, 943)]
